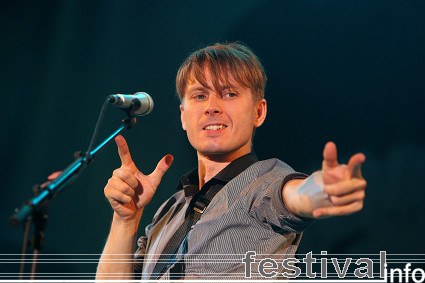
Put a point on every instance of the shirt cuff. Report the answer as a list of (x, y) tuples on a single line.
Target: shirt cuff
[(297, 223)]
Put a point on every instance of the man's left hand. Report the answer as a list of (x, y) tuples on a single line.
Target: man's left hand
[(343, 183)]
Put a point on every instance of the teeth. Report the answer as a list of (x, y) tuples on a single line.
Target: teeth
[(214, 127)]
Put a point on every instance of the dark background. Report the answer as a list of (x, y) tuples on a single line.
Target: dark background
[(348, 71)]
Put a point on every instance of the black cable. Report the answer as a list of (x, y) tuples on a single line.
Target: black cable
[(96, 130)]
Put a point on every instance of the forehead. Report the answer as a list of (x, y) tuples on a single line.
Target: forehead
[(218, 82)]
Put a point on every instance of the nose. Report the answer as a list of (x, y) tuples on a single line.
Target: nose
[(213, 105)]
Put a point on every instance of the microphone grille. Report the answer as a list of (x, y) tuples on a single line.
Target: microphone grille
[(147, 103)]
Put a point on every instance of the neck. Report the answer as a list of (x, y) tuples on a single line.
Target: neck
[(209, 166)]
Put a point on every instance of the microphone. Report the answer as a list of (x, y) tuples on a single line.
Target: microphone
[(142, 102)]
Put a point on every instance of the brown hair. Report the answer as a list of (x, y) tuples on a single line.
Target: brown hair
[(234, 58)]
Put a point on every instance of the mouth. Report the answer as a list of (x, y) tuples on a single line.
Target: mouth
[(214, 127)]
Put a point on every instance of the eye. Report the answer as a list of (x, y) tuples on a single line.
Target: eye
[(199, 96), (230, 95)]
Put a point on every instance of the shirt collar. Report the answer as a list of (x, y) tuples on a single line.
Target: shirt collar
[(190, 181)]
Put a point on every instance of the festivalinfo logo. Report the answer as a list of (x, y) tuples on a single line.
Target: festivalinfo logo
[(326, 267)]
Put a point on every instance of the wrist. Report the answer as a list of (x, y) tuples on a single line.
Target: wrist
[(311, 194), (292, 199), (129, 222)]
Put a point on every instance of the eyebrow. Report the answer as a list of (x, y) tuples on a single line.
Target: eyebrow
[(203, 88), (198, 88)]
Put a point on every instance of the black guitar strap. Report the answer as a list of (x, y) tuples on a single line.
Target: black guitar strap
[(195, 211)]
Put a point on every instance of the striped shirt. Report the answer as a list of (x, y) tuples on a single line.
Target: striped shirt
[(247, 214)]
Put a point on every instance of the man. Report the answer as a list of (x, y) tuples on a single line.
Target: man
[(231, 203)]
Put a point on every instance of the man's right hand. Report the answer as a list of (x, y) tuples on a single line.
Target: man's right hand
[(129, 190)]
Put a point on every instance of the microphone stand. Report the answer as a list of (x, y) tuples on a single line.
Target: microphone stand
[(35, 210)]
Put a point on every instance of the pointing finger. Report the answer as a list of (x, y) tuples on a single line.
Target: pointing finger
[(354, 165), (123, 151), (329, 156)]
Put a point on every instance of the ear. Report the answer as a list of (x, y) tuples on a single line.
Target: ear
[(260, 112), (182, 118)]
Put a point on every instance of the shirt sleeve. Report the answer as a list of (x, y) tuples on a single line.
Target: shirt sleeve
[(139, 255), (269, 209)]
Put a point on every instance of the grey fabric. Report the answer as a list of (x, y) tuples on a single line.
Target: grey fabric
[(246, 215)]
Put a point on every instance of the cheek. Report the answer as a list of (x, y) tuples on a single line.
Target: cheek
[(248, 120), (187, 119), (246, 124), (190, 126)]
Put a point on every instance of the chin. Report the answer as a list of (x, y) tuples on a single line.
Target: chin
[(213, 150)]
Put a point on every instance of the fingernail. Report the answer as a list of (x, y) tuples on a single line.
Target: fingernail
[(169, 159)]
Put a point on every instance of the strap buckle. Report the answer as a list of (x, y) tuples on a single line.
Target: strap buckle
[(199, 210), (201, 204)]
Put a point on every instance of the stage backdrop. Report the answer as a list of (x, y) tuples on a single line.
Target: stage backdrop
[(347, 71)]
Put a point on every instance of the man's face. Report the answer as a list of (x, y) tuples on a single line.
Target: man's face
[(220, 124)]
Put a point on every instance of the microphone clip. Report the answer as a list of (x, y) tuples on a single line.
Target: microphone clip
[(134, 106)]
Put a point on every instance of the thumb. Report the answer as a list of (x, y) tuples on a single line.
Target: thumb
[(161, 168), (329, 156), (124, 152)]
